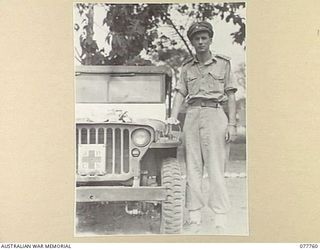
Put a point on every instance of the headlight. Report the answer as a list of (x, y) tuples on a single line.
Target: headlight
[(141, 137)]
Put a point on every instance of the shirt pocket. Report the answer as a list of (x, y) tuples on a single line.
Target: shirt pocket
[(193, 84), (216, 82)]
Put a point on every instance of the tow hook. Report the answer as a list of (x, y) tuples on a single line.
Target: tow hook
[(134, 211), (142, 208)]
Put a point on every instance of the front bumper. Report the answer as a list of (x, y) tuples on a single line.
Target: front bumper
[(92, 194)]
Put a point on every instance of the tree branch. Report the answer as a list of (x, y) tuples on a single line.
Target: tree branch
[(180, 35), (76, 50), (78, 59)]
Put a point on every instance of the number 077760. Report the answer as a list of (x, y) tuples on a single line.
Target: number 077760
[(309, 245)]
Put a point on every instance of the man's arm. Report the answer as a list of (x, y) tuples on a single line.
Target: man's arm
[(177, 102), (232, 109), (231, 130), (230, 89), (181, 92)]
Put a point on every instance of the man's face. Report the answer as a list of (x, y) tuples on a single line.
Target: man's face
[(201, 41)]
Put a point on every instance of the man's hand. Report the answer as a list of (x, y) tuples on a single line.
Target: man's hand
[(172, 121), (231, 133)]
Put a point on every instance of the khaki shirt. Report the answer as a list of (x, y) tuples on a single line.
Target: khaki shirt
[(212, 80)]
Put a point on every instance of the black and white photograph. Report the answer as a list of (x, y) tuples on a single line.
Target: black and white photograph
[(160, 119)]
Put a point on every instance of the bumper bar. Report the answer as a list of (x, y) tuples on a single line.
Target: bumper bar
[(91, 194)]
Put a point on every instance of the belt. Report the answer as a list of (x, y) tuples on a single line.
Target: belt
[(204, 103)]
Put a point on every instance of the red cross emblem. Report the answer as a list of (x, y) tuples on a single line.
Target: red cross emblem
[(91, 159)]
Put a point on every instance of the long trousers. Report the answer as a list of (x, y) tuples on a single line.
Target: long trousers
[(205, 130)]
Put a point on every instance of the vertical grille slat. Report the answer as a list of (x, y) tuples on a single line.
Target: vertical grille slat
[(113, 151), (126, 151), (78, 141), (97, 136), (121, 149), (88, 136), (109, 147), (117, 151), (105, 143)]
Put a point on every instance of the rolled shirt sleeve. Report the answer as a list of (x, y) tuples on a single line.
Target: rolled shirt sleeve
[(182, 84), (229, 86)]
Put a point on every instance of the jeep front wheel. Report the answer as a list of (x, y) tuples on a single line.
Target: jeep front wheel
[(172, 207)]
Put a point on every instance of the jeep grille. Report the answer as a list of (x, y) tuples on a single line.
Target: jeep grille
[(116, 142)]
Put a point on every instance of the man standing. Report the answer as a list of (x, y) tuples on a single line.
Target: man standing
[(205, 84)]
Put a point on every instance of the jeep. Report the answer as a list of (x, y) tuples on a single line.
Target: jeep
[(125, 152)]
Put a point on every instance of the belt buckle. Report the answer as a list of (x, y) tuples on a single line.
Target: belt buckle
[(202, 104)]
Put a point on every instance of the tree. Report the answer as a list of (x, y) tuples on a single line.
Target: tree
[(91, 55), (134, 28), (226, 11)]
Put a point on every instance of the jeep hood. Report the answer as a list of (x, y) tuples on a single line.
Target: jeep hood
[(152, 115)]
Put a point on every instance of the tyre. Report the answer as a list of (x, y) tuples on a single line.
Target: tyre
[(172, 207)]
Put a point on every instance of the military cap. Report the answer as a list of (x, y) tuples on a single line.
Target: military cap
[(200, 26)]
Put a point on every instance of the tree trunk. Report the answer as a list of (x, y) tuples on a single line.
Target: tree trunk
[(89, 37)]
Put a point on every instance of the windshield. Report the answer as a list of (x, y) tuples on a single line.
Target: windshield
[(131, 88)]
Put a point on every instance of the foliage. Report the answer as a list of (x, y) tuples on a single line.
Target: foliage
[(91, 55), (241, 75), (226, 11), (134, 28), (171, 57)]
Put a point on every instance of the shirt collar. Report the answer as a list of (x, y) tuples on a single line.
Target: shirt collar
[(208, 62)]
